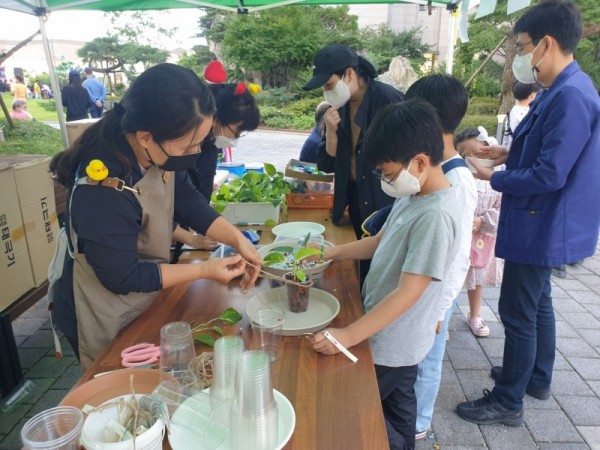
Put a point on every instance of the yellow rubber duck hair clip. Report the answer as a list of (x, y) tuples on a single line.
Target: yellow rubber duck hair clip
[(96, 170)]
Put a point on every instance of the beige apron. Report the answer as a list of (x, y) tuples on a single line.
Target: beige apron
[(100, 312)]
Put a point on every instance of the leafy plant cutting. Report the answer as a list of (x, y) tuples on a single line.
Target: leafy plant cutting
[(229, 317), (268, 187), (293, 257)]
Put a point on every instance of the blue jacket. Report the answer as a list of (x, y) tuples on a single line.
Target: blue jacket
[(550, 213)]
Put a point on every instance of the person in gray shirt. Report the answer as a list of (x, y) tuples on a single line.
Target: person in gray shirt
[(412, 255)]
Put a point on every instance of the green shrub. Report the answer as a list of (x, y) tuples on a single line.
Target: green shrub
[(305, 106), (277, 97), (30, 138), (483, 106), (490, 123), (303, 122)]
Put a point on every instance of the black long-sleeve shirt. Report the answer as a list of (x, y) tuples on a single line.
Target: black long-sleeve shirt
[(108, 222), (371, 197), (77, 102)]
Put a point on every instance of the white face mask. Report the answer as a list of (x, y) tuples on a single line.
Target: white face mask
[(404, 185), (522, 68), (224, 141), (339, 95)]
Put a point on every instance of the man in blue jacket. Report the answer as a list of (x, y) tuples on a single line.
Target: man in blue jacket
[(97, 92), (550, 210)]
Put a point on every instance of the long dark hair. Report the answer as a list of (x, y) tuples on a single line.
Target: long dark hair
[(233, 108), (166, 100)]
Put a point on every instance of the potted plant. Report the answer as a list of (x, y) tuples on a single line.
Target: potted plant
[(254, 198), (299, 291)]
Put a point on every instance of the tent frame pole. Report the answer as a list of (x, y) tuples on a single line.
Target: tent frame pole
[(41, 13)]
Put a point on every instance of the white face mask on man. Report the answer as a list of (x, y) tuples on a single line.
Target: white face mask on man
[(405, 185), (339, 95), (522, 68)]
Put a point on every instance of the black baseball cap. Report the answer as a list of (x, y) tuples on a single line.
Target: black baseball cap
[(329, 60)]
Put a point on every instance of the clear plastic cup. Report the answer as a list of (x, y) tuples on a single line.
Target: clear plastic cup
[(253, 416), (176, 350), (267, 326), (227, 350), (54, 429)]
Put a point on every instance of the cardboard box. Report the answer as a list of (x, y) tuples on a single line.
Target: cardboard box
[(15, 271), (35, 189), (251, 213), (307, 173), (77, 127)]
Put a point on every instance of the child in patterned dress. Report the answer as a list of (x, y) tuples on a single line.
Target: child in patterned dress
[(486, 220)]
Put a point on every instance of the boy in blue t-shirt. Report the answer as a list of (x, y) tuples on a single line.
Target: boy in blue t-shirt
[(411, 257)]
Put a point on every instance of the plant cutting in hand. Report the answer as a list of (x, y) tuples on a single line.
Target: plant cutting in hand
[(268, 187), (294, 258), (229, 317)]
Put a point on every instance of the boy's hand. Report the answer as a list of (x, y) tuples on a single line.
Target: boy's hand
[(322, 345), (438, 327)]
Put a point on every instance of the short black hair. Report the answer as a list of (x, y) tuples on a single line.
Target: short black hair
[(560, 19), (402, 130), (522, 91), (446, 94), (235, 104), (467, 133)]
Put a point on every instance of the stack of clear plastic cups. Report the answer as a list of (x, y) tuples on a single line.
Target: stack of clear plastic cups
[(54, 429), (227, 350), (253, 416)]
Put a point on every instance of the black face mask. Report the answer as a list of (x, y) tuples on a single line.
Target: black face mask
[(176, 163)]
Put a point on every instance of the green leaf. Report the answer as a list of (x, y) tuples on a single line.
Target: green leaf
[(305, 252), (300, 275), (306, 238), (217, 329), (230, 316), (220, 206), (270, 169), (273, 258), (205, 339)]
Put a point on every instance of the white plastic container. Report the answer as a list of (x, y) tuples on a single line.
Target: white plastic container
[(93, 437), (251, 213)]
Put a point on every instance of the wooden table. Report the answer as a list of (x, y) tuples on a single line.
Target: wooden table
[(336, 401)]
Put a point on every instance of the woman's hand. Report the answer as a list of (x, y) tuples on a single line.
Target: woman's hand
[(223, 269), (249, 252), (323, 345), (477, 222), (332, 121)]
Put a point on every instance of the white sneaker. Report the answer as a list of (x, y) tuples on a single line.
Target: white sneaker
[(478, 326)]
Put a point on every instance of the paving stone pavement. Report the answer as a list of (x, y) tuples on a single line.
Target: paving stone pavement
[(569, 420)]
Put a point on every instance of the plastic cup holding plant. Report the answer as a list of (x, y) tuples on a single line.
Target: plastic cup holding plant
[(295, 258)]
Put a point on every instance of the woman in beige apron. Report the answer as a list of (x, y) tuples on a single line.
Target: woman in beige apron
[(128, 186)]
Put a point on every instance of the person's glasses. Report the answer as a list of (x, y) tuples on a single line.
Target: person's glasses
[(237, 134), (519, 45), (381, 177)]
